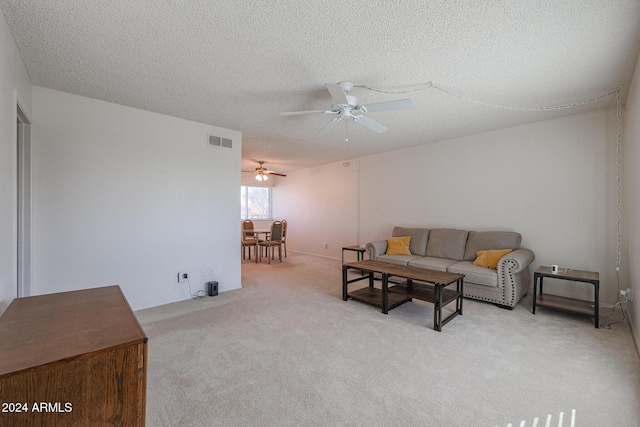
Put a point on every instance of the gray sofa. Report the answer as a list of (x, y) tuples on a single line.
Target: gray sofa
[(446, 249)]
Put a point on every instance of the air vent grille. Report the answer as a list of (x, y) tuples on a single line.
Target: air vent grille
[(217, 141)]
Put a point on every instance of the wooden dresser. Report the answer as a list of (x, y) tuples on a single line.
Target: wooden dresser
[(72, 359)]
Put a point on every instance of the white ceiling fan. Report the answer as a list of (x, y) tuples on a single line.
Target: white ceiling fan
[(262, 174), (346, 106)]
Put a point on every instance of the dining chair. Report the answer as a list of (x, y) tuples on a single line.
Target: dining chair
[(274, 239), (248, 238), (284, 236)]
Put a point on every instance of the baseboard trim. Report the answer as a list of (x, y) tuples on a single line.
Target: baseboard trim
[(312, 254), (634, 333)]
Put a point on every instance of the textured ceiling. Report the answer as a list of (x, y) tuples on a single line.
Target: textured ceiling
[(238, 64)]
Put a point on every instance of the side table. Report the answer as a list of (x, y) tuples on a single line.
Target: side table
[(360, 249), (571, 305)]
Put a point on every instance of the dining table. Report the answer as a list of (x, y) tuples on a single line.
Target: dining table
[(256, 233)]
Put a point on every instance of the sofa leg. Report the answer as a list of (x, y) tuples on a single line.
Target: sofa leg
[(506, 307)]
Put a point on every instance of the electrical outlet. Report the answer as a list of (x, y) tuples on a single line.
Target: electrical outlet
[(627, 293), (182, 276)]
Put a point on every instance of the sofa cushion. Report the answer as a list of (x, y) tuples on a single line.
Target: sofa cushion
[(474, 274), (398, 246), (419, 237), (483, 240), (447, 243), (397, 259), (490, 258), (432, 263)]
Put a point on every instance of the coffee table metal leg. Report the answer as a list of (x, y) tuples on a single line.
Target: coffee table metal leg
[(597, 301), (438, 326), (435, 308), (460, 288), (385, 293), (535, 292), (344, 282)]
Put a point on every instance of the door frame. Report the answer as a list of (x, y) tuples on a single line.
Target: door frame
[(23, 201)]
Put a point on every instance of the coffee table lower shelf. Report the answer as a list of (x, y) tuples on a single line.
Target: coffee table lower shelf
[(425, 292), (403, 292), (373, 296)]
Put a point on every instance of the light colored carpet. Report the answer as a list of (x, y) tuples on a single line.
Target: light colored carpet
[(285, 350)]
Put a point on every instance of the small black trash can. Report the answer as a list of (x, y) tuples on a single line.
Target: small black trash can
[(213, 288)]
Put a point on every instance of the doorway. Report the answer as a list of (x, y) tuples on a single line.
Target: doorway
[(23, 149)]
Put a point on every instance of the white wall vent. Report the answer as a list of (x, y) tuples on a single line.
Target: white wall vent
[(217, 141)]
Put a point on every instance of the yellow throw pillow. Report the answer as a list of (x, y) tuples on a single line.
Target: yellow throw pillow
[(398, 246), (490, 258)]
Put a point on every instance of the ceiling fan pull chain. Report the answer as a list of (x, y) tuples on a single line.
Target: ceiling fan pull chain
[(346, 131)]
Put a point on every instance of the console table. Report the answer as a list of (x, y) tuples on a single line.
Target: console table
[(80, 357), (570, 305)]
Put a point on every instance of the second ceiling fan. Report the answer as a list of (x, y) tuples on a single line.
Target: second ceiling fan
[(262, 173), (346, 106)]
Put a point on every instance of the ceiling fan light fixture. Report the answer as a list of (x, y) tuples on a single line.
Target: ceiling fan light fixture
[(262, 173)]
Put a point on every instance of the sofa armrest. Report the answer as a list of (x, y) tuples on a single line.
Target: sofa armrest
[(374, 249), (513, 276), (520, 257)]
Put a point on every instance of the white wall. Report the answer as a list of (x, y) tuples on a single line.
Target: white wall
[(14, 87), (632, 199), (320, 205), (129, 197), (551, 181)]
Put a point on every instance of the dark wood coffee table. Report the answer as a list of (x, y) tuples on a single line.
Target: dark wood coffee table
[(431, 288)]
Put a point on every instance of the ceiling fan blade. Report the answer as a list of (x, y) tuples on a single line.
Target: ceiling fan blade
[(330, 125), (275, 173), (371, 124), (401, 104), (298, 113), (337, 94)]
